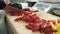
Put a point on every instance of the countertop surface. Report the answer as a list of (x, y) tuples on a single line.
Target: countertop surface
[(19, 27)]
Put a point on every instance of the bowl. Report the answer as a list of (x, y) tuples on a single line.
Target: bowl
[(56, 11)]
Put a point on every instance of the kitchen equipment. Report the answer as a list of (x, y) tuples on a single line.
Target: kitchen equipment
[(55, 4), (56, 11), (32, 2), (50, 0), (42, 6)]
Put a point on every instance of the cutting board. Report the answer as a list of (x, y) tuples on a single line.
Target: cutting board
[(19, 27)]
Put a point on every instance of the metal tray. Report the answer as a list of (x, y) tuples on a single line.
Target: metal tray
[(50, 0), (43, 6)]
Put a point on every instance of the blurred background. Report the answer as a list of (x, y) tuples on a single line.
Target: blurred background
[(44, 5)]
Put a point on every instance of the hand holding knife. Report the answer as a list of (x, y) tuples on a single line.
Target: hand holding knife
[(9, 8)]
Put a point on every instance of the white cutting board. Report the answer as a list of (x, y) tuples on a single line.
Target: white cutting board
[(19, 27)]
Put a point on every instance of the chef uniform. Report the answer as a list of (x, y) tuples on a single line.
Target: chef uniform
[(3, 29)]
